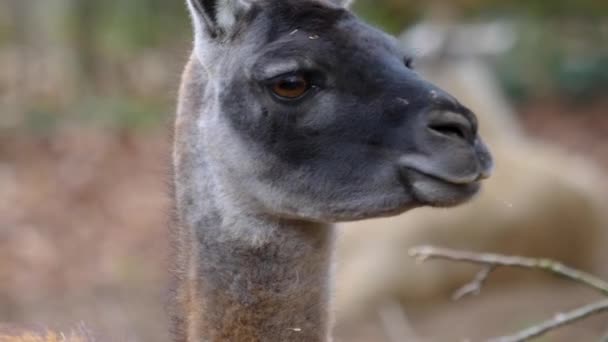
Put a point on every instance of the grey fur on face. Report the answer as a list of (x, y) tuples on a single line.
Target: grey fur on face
[(359, 144)]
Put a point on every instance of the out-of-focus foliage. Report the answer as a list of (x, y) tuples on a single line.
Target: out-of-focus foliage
[(557, 57), (395, 15), (104, 62), (132, 25)]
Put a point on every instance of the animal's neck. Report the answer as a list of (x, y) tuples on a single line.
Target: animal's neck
[(232, 287), (276, 291)]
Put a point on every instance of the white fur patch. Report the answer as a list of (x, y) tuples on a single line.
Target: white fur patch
[(342, 3), (229, 11)]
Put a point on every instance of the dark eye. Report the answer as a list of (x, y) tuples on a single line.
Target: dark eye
[(291, 86), (409, 62)]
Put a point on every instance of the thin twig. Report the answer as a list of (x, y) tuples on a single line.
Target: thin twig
[(558, 321), (474, 287), (490, 262), (425, 253)]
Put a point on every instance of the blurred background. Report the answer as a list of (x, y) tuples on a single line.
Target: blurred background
[(87, 93)]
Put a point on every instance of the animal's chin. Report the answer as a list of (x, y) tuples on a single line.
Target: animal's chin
[(437, 191)]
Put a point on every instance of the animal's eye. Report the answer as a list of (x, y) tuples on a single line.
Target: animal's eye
[(291, 86), (409, 62)]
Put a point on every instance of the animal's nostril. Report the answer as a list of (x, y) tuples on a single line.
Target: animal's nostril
[(453, 130), (452, 124)]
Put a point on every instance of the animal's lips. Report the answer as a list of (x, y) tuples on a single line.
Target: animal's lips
[(424, 166), (475, 179)]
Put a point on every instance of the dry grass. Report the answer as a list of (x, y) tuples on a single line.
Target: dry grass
[(9, 333)]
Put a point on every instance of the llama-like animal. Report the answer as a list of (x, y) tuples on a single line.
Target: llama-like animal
[(294, 115)]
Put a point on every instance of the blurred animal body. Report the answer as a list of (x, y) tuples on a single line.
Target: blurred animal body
[(294, 115)]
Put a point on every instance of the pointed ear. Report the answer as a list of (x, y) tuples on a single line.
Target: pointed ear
[(216, 18)]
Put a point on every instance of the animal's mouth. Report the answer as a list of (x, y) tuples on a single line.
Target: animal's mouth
[(440, 190), (459, 173), (458, 165), (448, 179)]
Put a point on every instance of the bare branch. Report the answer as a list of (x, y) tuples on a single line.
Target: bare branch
[(558, 321), (490, 262), (474, 287), (425, 253)]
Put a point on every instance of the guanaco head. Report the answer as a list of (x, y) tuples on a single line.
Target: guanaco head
[(310, 113)]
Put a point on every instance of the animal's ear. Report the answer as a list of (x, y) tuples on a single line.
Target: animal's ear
[(216, 18), (343, 3)]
